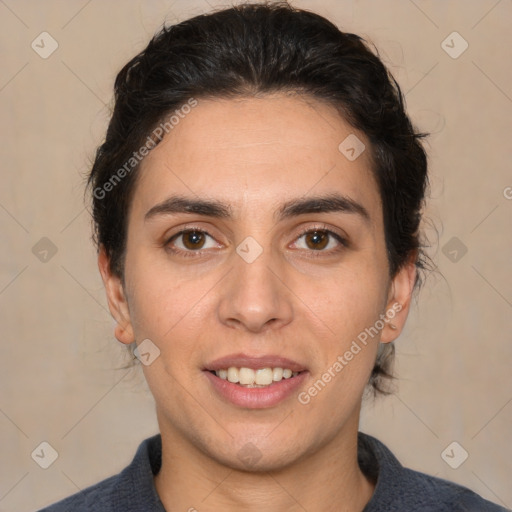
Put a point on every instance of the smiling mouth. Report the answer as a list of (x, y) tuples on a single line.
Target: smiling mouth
[(250, 378)]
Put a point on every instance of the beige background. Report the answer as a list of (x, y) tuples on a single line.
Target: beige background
[(58, 378)]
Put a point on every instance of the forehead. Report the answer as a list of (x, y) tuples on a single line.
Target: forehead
[(258, 151)]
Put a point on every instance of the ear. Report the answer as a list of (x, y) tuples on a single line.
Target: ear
[(399, 300), (116, 299)]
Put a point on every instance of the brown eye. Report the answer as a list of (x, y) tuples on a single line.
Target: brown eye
[(193, 239), (317, 240), (320, 242), (190, 242)]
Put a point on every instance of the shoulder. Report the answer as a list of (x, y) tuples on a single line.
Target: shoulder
[(438, 495), (96, 498), (132, 490), (402, 489)]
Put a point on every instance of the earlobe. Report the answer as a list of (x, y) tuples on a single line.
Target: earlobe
[(117, 302), (399, 300)]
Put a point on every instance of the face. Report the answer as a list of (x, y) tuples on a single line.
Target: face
[(267, 274)]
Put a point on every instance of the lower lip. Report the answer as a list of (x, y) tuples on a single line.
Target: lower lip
[(256, 398)]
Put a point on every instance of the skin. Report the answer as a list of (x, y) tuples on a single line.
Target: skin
[(254, 154)]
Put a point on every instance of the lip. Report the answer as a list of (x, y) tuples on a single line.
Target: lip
[(254, 362), (255, 398)]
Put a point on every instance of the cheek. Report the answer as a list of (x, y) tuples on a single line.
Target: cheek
[(351, 299), (348, 307), (163, 301)]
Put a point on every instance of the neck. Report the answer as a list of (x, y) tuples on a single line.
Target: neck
[(327, 480)]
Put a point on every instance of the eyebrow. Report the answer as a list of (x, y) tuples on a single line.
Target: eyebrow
[(212, 208)]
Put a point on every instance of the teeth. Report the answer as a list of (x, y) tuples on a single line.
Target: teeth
[(254, 378), (246, 376), (264, 376), (232, 374), (277, 374)]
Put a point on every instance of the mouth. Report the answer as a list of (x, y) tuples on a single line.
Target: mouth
[(255, 382)]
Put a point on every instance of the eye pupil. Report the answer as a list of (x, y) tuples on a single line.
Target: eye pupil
[(318, 237)]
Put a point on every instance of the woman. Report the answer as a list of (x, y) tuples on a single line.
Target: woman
[(257, 204)]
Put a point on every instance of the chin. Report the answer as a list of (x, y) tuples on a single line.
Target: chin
[(258, 456), (254, 461)]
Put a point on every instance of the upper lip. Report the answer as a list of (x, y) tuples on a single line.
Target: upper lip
[(254, 362)]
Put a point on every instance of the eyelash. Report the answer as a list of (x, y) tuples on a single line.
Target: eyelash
[(313, 254)]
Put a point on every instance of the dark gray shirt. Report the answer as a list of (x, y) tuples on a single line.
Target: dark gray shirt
[(398, 489)]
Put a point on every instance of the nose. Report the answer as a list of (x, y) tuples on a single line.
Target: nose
[(255, 295)]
